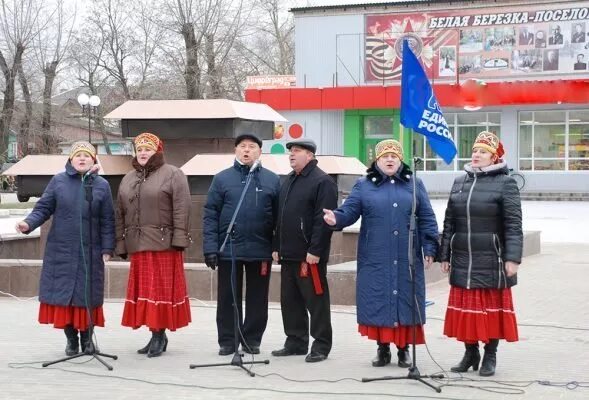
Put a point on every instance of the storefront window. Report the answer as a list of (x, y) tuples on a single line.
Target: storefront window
[(464, 128), (380, 127), (554, 140)]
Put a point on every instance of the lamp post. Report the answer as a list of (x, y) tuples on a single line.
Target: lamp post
[(90, 103)]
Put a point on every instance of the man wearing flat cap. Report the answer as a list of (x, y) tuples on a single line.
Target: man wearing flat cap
[(301, 245), (252, 242)]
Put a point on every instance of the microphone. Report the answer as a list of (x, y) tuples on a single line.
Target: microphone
[(255, 165), (95, 168)]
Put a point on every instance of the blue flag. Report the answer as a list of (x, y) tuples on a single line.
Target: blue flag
[(420, 110)]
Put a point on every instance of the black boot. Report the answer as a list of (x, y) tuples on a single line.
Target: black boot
[(404, 357), (159, 344), (490, 358), (145, 350), (86, 342), (383, 355), (471, 358), (73, 345)]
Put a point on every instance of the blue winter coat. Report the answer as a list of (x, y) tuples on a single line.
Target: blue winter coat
[(383, 284), (254, 226), (64, 263)]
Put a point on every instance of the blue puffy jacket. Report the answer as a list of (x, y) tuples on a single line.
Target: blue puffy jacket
[(63, 277), (383, 285), (256, 220)]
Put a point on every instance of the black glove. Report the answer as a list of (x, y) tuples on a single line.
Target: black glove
[(211, 260)]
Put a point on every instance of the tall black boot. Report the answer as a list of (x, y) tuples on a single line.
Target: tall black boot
[(383, 355), (490, 358), (87, 343), (471, 358), (403, 356), (73, 345), (159, 344)]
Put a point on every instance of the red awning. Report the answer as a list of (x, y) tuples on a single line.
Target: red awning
[(449, 95)]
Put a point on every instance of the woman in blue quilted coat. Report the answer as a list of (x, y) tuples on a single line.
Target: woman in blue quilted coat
[(383, 287), (64, 291)]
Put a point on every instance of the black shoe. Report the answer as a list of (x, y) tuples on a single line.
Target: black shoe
[(288, 352), (315, 357), (251, 349), (226, 350), (404, 357), (471, 358), (159, 344), (73, 344), (383, 355), (145, 350)]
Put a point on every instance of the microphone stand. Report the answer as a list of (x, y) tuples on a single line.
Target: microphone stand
[(414, 373), (91, 349), (230, 235)]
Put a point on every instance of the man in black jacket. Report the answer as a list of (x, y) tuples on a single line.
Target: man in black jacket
[(301, 245), (252, 242)]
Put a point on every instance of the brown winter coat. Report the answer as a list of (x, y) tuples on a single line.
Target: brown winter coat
[(153, 208)]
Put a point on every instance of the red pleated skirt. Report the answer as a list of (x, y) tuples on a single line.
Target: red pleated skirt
[(401, 336), (475, 315), (61, 316), (156, 292)]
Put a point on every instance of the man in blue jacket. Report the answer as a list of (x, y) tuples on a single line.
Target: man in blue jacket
[(301, 244), (252, 243)]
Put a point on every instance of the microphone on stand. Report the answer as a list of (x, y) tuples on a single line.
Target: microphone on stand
[(95, 168), (255, 165)]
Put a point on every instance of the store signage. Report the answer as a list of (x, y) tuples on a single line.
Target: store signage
[(538, 42)]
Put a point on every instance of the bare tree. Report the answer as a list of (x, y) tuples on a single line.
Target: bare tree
[(113, 20), (150, 34), (209, 29), (270, 47), (86, 53), (18, 24), (51, 47)]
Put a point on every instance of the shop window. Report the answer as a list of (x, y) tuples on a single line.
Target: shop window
[(554, 140), (380, 127), (464, 128)]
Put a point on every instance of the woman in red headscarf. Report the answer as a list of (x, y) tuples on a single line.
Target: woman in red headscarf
[(153, 209), (482, 249)]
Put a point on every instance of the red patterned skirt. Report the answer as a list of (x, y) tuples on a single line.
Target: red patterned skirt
[(401, 336), (156, 293), (61, 316), (475, 315)]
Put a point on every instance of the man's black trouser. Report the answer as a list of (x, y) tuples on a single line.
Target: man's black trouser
[(256, 301)]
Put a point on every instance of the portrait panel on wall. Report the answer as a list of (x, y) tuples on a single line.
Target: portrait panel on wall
[(499, 38), (540, 41), (578, 34), (550, 60), (471, 40), (447, 61), (580, 63), (470, 65), (526, 35), (495, 63), (526, 60), (556, 37)]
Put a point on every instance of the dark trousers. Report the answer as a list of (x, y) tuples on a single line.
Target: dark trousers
[(298, 300), (256, 302)]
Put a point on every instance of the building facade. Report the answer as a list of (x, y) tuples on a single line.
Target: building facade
[(517, 68)]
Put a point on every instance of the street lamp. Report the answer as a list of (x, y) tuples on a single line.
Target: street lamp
[(91, 104)]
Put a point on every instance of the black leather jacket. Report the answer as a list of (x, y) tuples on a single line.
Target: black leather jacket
[(482, 228)]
